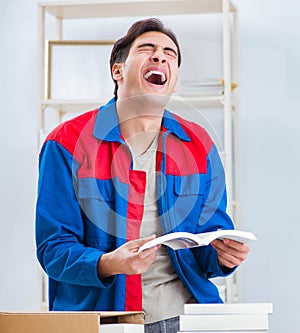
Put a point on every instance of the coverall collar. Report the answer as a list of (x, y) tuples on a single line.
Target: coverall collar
[(107, 125)]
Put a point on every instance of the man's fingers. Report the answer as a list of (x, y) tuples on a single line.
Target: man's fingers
[(232, 247), (229, 260), (137, 243), (230, 253), (148, 252)]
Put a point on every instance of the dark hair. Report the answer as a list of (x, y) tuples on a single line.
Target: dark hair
[(122, 46)]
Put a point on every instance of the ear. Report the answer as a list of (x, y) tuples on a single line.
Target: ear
[(117, 71)]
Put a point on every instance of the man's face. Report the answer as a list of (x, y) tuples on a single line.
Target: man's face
[(151, 67)]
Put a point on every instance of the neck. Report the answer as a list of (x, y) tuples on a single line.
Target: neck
[(139, 121), (139, 114)]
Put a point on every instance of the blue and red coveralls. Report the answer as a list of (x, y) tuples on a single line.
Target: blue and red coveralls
[(90, 201)]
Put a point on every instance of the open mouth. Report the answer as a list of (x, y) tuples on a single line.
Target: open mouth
[(155, 77)]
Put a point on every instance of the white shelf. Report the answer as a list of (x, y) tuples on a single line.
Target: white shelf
[(69, 103), (205, 102), (117, 8)]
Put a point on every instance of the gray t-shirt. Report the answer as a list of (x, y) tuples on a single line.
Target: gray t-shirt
[(163, 293)]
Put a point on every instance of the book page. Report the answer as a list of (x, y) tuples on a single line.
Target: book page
[(183, 240), (236, 235), (180, 243)]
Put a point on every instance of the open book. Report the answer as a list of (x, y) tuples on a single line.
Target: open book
[(183, 240)]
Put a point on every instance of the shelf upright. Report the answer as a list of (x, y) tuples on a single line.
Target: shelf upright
[(227, 123), (76, 9)]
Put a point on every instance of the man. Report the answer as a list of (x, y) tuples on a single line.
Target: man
[(111, 179)]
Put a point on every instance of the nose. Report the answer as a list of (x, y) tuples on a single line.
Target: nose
[(158, 55)]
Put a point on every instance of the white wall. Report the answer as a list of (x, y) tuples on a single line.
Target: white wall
[(269, 70), (270, 49), (19, 285)]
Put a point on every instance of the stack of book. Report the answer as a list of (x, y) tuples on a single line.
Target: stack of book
[(208, 87), (226, 318)]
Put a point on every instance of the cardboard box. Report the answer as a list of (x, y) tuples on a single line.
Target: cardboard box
[(64, 322)]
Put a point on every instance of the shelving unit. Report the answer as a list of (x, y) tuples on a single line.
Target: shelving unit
[(229, 102)]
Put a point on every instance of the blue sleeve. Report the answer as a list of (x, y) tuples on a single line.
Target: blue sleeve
[(59, 223), (214, 215)]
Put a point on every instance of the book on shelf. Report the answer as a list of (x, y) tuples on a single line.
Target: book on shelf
[(223, 322), (206, 87), (183, 240), (228, 308), (121, 328)]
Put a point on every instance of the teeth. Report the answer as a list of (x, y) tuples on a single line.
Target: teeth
[(162, 75)]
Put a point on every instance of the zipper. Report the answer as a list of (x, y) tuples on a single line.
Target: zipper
[(165, 218)]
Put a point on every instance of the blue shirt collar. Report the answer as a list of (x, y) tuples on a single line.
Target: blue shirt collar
[(107, 125)]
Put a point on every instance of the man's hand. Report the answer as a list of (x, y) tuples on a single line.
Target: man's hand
[(127, 260), (230, 252)]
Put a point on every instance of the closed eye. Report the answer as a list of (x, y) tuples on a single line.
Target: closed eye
[(171, 52), (147, 47)]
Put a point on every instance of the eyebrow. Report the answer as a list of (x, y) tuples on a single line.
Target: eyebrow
[(153, 45)]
